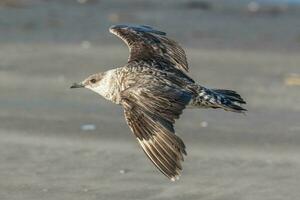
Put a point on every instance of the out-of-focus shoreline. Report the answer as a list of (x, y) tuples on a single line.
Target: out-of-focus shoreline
[(198, 24)]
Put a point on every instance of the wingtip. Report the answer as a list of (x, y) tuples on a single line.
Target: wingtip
[(143, 28), (175, 178)]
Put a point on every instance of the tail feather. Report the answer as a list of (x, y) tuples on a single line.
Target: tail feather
[(232, 95), (218, 98)]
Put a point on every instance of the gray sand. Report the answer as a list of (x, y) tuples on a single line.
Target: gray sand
[(44, 153)]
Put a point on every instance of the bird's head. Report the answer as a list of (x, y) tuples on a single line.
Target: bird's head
[(92, 82), (102, 83)]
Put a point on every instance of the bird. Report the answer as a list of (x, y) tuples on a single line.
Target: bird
[(154, 88)]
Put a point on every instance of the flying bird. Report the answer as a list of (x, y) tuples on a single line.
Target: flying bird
[(154, 88)]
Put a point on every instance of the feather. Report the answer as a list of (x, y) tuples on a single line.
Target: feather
[(145, 42), (151, 121)]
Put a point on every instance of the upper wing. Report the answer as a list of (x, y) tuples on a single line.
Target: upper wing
[(145, 42), (150, 113)]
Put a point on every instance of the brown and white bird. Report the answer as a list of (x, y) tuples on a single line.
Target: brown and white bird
[(154, 88)]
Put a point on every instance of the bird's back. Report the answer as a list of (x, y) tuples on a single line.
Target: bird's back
[(153, 70)]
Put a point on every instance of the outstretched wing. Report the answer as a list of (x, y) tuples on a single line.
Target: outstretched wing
[(144, 42), (150, 112)]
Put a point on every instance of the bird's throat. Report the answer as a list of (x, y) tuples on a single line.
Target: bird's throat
[(108, 87)]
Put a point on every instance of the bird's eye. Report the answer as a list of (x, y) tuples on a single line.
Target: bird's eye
[(93, 81)]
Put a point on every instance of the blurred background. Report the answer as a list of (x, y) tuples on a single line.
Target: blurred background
[(57, 143)]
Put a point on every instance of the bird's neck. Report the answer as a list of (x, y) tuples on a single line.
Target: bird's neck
[(109, 86)]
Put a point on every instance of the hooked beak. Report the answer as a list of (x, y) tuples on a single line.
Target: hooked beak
[(77, 85)]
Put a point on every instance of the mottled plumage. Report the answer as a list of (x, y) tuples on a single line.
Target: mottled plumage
[(145, 43), (154, 88)]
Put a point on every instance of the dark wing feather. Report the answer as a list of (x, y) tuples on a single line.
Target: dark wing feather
[(144, 43), (150, 113)]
